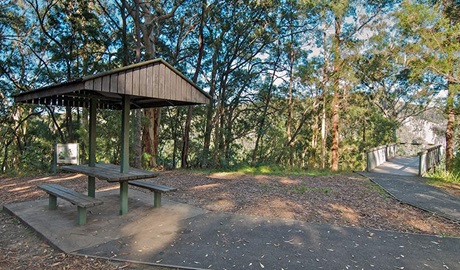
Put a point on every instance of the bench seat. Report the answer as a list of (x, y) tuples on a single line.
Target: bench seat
[(156, 188), (80, 200)]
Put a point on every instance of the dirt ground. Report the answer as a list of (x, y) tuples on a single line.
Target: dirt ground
[(348, 200)]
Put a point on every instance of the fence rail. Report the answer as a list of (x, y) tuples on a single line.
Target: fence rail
[(379, 155), (429, 159)]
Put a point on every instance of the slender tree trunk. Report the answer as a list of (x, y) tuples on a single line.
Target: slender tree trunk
[(314, 140), (323, 134), (261, 128), (335, 110), (335, 132), (138, 113), (186, 138), (324, 86), (289, 116), (69, 123), (450, 129), (188, 121)]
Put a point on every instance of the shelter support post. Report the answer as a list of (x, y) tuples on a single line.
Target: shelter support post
[(92, 146), (124, 154), (123, 197), (125, 135)]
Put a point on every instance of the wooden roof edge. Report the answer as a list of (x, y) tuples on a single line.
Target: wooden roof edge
[(78, 84), (73, 85), (146, 63)]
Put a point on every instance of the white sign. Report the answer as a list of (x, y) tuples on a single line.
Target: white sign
[(68, 153)]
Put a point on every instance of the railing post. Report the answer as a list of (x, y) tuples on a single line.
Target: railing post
[(421, 163)]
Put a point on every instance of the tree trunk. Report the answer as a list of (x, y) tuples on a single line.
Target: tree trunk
[(323, 135), (314, 140), (68, 122), (261, 128), (138, 139), (335, 132), (450, 129), (150, 141), (289, 116), (188, 121), (186, 138), (335, 110), (138, 113)]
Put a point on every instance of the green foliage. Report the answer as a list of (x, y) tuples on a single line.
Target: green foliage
[(441, 176), (275, 170)]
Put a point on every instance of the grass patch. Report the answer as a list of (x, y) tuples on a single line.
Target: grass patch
[(273, 170), (441, 176)]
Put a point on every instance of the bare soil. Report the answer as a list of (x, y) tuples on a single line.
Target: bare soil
[(348, 200)]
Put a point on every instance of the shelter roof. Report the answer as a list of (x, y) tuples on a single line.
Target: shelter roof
[(153, 83)]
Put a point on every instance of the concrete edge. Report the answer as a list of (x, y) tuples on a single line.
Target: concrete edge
[(40, 235), (6, 209), (136, 262)]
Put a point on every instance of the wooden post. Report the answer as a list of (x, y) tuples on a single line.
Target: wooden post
[(52, 202), (124, 166), (156, 199), (81, 219), (92, 146), (125, 134)]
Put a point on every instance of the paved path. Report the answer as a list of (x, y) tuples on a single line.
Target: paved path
[(399, 178), (405, 166), (192, 238)]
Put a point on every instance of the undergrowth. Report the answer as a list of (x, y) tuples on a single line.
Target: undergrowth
[(441, 176)]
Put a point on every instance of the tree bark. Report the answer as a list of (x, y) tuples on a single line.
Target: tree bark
[(335, 132), (450, 129), (138, 113), (335, 110), (188, 120)]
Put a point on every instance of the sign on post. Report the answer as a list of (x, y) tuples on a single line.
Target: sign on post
[(68, 153)]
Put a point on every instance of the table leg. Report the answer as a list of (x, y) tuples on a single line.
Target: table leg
[(123, 197), (92, 186)]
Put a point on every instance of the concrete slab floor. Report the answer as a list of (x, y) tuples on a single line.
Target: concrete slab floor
[(104, 223)]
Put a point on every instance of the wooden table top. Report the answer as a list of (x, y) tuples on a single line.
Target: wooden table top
[(110, 172)]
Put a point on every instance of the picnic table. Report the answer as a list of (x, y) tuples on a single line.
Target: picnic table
[(111, 173)]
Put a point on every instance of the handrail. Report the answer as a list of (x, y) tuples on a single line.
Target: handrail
[(379, 155), (429, 159)]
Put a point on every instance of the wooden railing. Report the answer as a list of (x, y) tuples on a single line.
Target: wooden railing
[(379, 155), (429, 159)]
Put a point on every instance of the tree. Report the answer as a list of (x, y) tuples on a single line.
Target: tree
[(343, 26), (432, 34)]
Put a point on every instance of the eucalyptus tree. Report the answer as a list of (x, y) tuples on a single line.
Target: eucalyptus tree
[(431, 30), (150, 19), (345, 24), (75, 41), (385, 80), (236, 36), (13, 64)]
